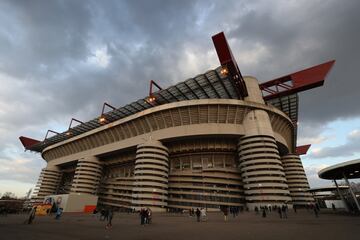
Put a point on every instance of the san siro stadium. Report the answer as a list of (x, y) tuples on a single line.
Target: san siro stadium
[(218, 139)]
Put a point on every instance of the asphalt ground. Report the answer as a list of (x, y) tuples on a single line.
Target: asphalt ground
[(301, 225)]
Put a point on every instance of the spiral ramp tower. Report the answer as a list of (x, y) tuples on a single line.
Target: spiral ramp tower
[(259, 161), (151, 176), (87, 176), (297, 180), (47, 183)]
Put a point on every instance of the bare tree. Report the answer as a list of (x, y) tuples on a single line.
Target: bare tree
[(8, 195)]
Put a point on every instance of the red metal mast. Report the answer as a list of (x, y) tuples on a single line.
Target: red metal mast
[(229, 64)]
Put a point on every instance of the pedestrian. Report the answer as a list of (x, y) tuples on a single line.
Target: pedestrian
[(143, 216), (106, 214), (32, 215), (283, 210), (264, 213), (58, 213), (203, 214), (256, 210), (148, 215), (294, 207), (102, 214), (233, 210), (333, 207), (316, 212), (226, 212), (198, 214), (279, 211), (110, 217)]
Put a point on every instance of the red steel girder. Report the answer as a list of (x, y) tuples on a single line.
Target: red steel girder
[(228, 61), (299, 81), (302, 150), (28, 142)]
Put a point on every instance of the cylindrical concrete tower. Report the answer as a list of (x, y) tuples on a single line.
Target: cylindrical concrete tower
[(47, 184), (296, 179), (87, 176), (151, 176), (260, 165)]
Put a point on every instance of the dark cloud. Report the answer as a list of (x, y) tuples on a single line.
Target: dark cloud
[(63, 59), (306, 34)]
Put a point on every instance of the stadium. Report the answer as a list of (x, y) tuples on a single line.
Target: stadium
[(217, 139)]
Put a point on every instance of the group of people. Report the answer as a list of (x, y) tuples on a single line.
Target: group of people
[(145, 216), (105, 214), (200, 214), (283, 210)]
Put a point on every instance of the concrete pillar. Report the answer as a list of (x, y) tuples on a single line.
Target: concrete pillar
[(352, 192), (87, 176), (47, 184), (260, 165), (341, 196), (297, 180), (151, 176)]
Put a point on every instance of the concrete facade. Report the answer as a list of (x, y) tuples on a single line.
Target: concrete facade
[(186, 154)]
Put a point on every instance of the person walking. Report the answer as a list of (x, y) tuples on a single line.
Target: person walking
[(110, 217), (264, 213), (283, 210), (198, 214), (234, 212), (102, 214), (203, 214), (279, 211), (142, 216), (256, 210), (226, 212), (316, 212), (148, 215), (58, 213), (106, 214), (32, 215)]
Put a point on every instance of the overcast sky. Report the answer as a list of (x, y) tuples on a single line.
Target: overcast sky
[(63, 59)]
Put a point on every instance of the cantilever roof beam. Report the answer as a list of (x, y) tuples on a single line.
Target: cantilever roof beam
[(28, 142), (299, 81), (302, 150)]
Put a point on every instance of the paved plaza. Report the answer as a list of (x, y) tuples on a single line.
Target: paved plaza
[(302, 225)]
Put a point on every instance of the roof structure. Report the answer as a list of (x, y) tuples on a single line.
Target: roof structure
[(211, 84), (350, 169), (281, 93)]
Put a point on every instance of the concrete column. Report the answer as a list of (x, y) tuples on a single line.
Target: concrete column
[(87, 176), (352, 192), (260, 165), (47, 184), (297, 180), (151, 176), (341, 196)]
